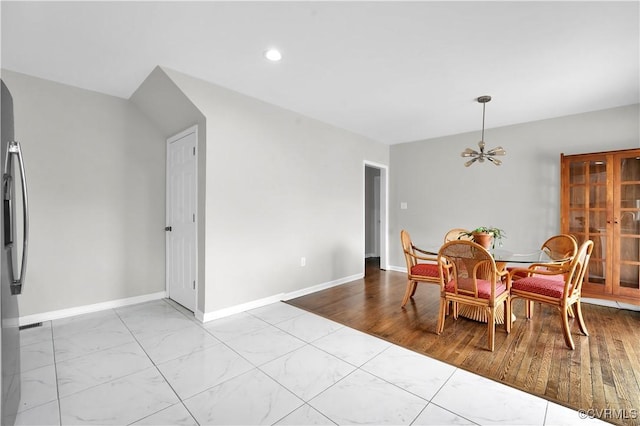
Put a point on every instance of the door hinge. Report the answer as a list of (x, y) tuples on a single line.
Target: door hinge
[(194, 218), (194, 150), (194, 285)]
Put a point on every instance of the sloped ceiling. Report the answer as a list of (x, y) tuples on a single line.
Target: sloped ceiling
[(392, 71)]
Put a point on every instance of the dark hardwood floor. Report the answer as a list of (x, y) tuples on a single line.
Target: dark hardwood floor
[(603, 372)]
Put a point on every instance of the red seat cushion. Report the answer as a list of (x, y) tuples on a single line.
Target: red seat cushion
[(558, 277), (484, 287), (426, 270), (544, 286)]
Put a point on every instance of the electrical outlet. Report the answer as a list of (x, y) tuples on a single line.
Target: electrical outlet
[(303, 261)]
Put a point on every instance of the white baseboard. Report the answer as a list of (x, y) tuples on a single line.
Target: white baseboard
[(397, 268), (221, 313), (610, 303), (199, 315), (87, 309), (323, 286), (225, 312), (232, 310)]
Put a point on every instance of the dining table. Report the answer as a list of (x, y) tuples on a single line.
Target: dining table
[(503, 258)]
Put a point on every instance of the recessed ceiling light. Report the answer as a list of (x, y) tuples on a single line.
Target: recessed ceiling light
[(273, 55)]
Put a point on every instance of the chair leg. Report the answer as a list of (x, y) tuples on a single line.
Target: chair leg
[(566, 331), (581, 324), (507, 316), (444, 307), (511, 300), (491, 328), (529, 308), (411, 288), (571, 314), (415, 286)]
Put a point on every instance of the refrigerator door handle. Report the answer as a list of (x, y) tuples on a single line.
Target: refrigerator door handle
[(7, 189), (18, 283)]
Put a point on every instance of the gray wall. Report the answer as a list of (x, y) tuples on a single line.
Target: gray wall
[(279, 186), (521, 196), (95, 166)]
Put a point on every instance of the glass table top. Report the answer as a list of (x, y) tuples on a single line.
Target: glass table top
[(503, 255)]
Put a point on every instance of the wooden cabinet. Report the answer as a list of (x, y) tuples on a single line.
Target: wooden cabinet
[(601, 201)]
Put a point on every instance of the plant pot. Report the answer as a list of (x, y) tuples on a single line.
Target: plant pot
[(483, 239)]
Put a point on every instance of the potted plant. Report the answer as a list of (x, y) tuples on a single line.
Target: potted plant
[(486, 236)]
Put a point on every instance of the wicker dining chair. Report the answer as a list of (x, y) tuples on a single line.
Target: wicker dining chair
[(421, 267), (539, 285), (558, 247), (563, 246), (469, 276), (457, 234)]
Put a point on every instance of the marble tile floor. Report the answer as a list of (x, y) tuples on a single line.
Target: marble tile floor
[(154, 364)]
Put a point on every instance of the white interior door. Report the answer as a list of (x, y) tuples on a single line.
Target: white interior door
[(181, 218)]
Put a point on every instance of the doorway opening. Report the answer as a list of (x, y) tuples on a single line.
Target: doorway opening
[(375, 216), (181, 229)]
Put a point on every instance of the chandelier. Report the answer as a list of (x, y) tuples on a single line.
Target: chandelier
[(482, 154)]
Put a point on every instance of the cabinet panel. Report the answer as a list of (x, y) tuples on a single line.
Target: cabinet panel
[(630, 276), (627, 214), (629, 168), (598, 197), (598, 171)]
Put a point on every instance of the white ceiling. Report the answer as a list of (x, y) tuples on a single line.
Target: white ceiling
[(393, 71)]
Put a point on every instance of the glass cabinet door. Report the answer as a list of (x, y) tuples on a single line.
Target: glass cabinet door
[(627, 219), (588, 219)]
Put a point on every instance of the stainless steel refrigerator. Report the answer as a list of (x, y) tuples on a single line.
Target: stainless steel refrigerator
[(15, 234)]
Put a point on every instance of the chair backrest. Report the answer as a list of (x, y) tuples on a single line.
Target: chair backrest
[(579, 265), (470, 265), (407, 248), (563, 246), (454, 234)]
